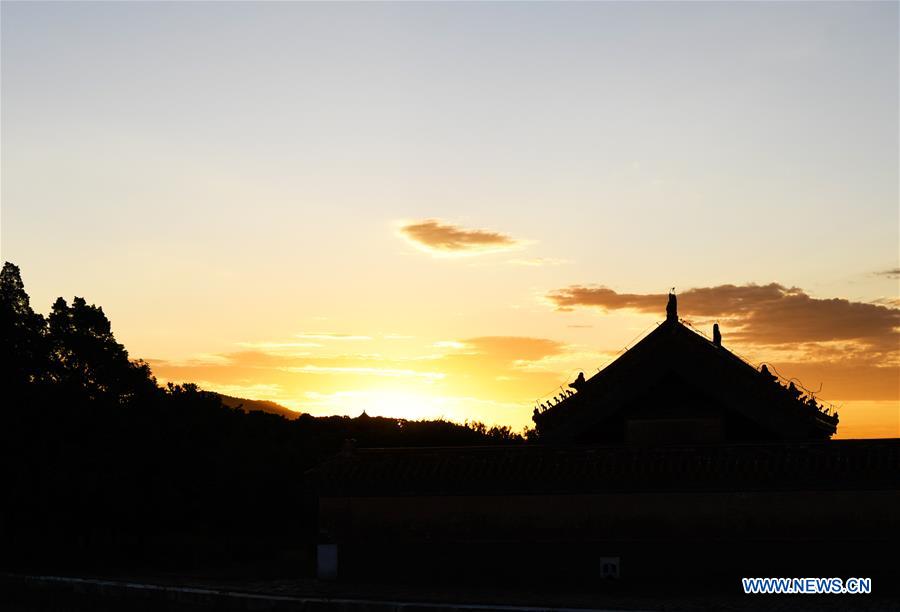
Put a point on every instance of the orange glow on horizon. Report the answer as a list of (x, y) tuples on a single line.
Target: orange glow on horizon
[(495, 380)]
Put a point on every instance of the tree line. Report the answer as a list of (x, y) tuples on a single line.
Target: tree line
[(104, 467)]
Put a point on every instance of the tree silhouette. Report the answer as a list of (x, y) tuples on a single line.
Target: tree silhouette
[(103, 466), (23, 351), (86, 358)]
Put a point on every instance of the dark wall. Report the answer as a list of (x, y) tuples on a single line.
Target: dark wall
[(662, 536)]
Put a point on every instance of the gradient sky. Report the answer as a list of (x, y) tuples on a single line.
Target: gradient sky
[(442, 209)]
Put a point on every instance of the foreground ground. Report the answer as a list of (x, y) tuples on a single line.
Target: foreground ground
[(21, 593)]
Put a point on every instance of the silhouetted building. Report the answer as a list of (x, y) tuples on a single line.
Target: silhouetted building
[(678, 460), (677, 386)]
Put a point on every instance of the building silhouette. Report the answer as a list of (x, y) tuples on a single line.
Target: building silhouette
[(677, 386), (677, 461)]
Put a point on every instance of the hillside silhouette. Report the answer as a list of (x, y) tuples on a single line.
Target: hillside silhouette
[(252, 405), (104, 467)]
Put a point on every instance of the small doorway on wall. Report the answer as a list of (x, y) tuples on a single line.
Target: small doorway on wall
[(610, 568)]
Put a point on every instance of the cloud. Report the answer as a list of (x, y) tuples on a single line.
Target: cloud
[(366, 371), (501, 370), (514, 348), (440, 238), (850, 348), (451, 344), (891, 302), (892, 273), (538, 261), (758, 314), (279, 347), (331, 336)]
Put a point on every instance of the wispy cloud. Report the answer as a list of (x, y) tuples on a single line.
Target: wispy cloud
[(515, 348), (891, 273), (762, 314), (891, 302), (507, 370), (451, 344), (440, 238), (278, 346), (365, 371), (853, 348), (538, 261), (331, 336)]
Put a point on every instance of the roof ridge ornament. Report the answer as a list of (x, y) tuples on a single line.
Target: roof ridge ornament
[(672, 307)]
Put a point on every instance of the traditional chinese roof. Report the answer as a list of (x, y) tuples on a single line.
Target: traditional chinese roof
[(676, 373)]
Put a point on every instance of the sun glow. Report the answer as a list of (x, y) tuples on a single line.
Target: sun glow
[(398, 403)]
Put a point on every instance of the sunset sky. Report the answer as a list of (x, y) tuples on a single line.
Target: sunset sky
[(427, 209)]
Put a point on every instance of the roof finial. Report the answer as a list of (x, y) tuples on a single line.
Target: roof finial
[(672, 307)]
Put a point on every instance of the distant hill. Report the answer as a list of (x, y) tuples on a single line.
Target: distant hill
[(249, 405)]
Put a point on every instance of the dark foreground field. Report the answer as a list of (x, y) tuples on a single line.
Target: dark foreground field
[(198, 594)]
